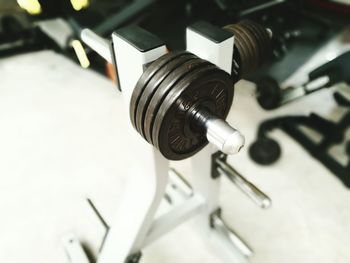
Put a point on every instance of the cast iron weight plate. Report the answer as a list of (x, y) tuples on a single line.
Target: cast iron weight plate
[(240, 47), (257, 42), (164, 89), (152, 86), (248, 45), (146, 77), (174, 133), (264, 40)]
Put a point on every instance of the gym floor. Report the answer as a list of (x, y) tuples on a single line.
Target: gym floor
[(62, 141)]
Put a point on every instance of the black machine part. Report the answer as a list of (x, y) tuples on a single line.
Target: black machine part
[(270, 96), (263, 150), (338, 70)]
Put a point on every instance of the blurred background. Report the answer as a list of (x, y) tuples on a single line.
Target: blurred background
[(62, 127)]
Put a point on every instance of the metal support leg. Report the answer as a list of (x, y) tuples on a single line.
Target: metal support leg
[(218, 51)]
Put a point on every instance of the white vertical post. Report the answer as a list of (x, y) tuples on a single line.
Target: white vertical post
[(220, 52), (148, 171)]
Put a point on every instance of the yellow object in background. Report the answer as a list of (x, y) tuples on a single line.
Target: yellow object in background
[(80, 52), (33, 7), (79, 4)]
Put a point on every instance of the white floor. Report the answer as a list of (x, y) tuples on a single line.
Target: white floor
[(61, 131)]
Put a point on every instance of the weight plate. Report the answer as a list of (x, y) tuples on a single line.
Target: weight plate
[(152, 86), (160, 94), (263, 31), (208, 87), (252, 47), (241, 37), (257, 41), (145, 78), (249, 41), (239, 45), (266, 46), (263, 38)]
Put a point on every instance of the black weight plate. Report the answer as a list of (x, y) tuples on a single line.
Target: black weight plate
[(145, 78), (242, 44), (248, 47), (253, 48), (257, 39), (241, 40), (238, 45), (263, 31), (264, 39), (207, 86), (152, 86), (163, 90), (266, 45)]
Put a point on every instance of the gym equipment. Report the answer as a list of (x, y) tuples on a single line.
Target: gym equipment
[(266, 151), (180, 98), (146, 71), (180, 101), (271, 96), (16, 38), (252, 46)]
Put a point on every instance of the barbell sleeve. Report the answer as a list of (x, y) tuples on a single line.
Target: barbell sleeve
[(226, 138), (218, 132)]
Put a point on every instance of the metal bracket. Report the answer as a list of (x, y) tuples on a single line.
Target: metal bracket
[(217, 223), (214, 171), (134, 258)]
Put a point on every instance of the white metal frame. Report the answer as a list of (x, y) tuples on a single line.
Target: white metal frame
[(220, 54), (134, 225)]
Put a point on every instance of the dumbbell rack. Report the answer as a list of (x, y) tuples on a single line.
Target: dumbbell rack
[(135, 225)]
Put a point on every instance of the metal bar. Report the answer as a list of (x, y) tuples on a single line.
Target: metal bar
[(254, 193), (218, 132), (219, 225), (226, 138), (97, 43), (178, 189), (74, 250), (174, 218), (102, 220), (292, 93), (97, 213), (180, 182), (260, 7)]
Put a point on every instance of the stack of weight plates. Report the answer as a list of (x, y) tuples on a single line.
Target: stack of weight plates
[(168, 92), (252, 45)]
